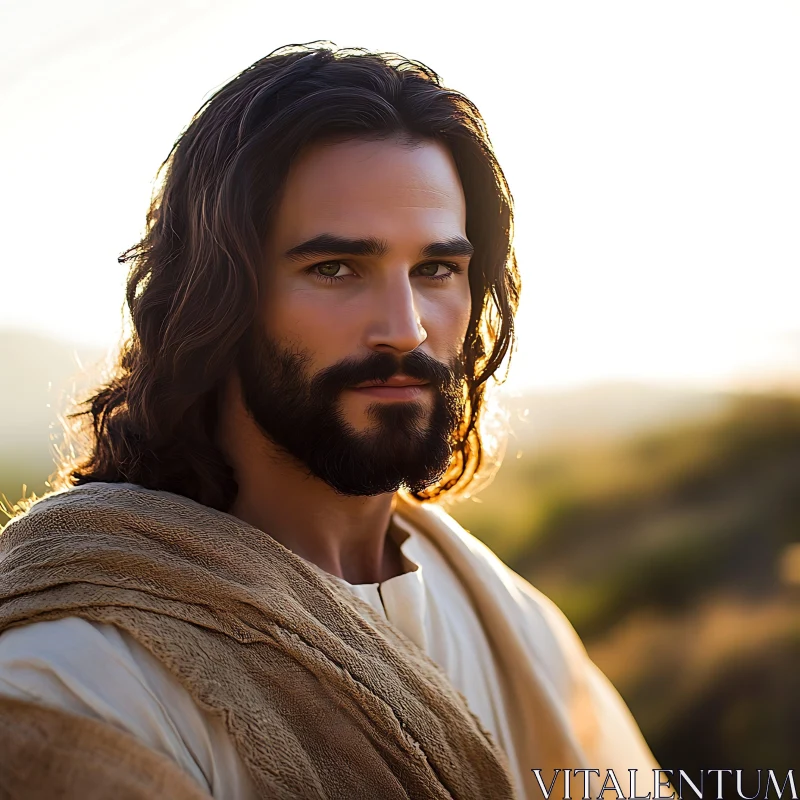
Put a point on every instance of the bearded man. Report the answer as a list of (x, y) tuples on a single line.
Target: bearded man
[(245, 587)]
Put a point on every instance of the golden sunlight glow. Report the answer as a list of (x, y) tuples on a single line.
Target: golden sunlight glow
[(651, 150)]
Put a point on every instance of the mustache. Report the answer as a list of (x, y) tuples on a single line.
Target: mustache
[(382, 366)]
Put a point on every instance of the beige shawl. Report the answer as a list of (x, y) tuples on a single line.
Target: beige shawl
[(319, 702), (46, 754)]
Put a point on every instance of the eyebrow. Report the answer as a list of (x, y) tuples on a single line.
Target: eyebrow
[(328, 244)]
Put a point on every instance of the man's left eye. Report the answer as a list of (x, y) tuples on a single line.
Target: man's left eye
[(431, 270)]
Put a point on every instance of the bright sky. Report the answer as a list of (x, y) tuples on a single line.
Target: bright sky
[(652, 149)]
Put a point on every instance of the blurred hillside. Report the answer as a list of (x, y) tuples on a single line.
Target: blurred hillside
[(42, 375), (674, 553), (666, 525)]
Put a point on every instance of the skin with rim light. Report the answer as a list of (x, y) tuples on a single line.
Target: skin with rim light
[(344, 306)]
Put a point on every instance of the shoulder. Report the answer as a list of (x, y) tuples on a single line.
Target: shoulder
[(518, 616), (99, 671), (472, 560), (537, 642)]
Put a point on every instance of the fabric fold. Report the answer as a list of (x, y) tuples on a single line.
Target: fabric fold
[(321, 699), (47, 753)]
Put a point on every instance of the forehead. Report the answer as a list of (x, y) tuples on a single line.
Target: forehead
[(387, 189)]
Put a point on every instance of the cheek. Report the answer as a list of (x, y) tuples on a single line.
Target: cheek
[(465, 315), (310, 322), (448, 320)]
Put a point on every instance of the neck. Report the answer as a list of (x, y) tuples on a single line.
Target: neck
[(343, 535)]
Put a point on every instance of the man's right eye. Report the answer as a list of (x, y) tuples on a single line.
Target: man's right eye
[(328, 271)]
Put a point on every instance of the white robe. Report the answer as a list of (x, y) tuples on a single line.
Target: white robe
[(504, 646)]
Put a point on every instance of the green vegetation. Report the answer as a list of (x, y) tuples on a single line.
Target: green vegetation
[(665, 551)]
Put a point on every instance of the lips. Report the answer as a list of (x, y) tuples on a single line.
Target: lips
[(397, 381)]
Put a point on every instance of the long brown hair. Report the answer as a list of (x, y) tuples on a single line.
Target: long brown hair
[(193, 285)]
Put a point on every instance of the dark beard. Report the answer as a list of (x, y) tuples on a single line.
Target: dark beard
[(410, 443)]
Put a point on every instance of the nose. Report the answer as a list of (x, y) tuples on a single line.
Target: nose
[(394, 321)]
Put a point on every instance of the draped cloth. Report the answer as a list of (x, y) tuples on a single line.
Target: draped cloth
[(46, 753), (321, 696), (320, 702)]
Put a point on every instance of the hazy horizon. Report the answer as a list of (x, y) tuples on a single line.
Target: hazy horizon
[(651, 151)]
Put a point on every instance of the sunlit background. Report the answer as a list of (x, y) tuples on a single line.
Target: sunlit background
[(652, 482)]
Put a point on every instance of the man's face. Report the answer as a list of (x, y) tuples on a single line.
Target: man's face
[(366, 280)]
